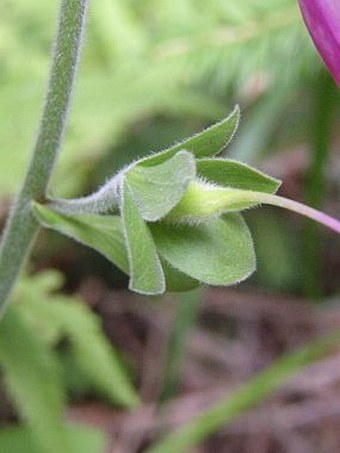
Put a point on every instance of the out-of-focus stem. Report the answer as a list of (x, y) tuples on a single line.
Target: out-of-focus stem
[(188, 310), (326, 99)]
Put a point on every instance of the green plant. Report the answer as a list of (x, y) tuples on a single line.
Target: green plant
[(170, 220), (22, 226), (191, 232), (179, 69), (41, 319)]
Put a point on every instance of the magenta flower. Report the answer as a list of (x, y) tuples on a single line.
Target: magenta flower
[(322, 18)]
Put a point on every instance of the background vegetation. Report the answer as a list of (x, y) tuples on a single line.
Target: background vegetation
[(153, 72)]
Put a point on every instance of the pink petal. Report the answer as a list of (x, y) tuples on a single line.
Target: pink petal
[(322, 18)]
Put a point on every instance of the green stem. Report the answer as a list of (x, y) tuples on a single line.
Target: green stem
[(21, 227), (189, 304), (323, 121), (246, 397)]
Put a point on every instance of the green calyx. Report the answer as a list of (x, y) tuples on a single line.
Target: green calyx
[(203, 201), (178, 224)]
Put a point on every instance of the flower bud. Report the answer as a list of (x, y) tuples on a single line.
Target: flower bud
[(322, 18)]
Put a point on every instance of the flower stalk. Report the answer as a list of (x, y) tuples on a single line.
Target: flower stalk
[(22, 227), (300, 208), (203, 201)]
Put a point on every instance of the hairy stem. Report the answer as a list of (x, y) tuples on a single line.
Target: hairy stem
[(106, 199), (294, 206), (21, 226), (300, 208)]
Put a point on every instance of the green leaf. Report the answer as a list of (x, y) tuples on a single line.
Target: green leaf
[(234, 174), (32, 376), (105, 234), (209, 142), (146, 273), (84, 439), (216, 252), (102, 233), (93, 352), (69, 317), (156, 190), (36, 294), (176, 281)]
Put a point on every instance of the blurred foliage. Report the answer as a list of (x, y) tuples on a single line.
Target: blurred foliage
[(246, 397), (83, 439), (32, 359), (178, 59)]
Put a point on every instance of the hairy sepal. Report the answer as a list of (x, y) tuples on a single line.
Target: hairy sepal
[(216, 252), (145, 269), (207, 143), (237, 175), (156, 190), (101, 233), (105, 234)]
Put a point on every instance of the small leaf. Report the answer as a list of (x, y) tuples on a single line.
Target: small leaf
[(146, 273), (216, 252), (32, 376), (105, 235), (94, 353), (102, 233), (69, 318), (237, 175), (207, 143), (156, 190)]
